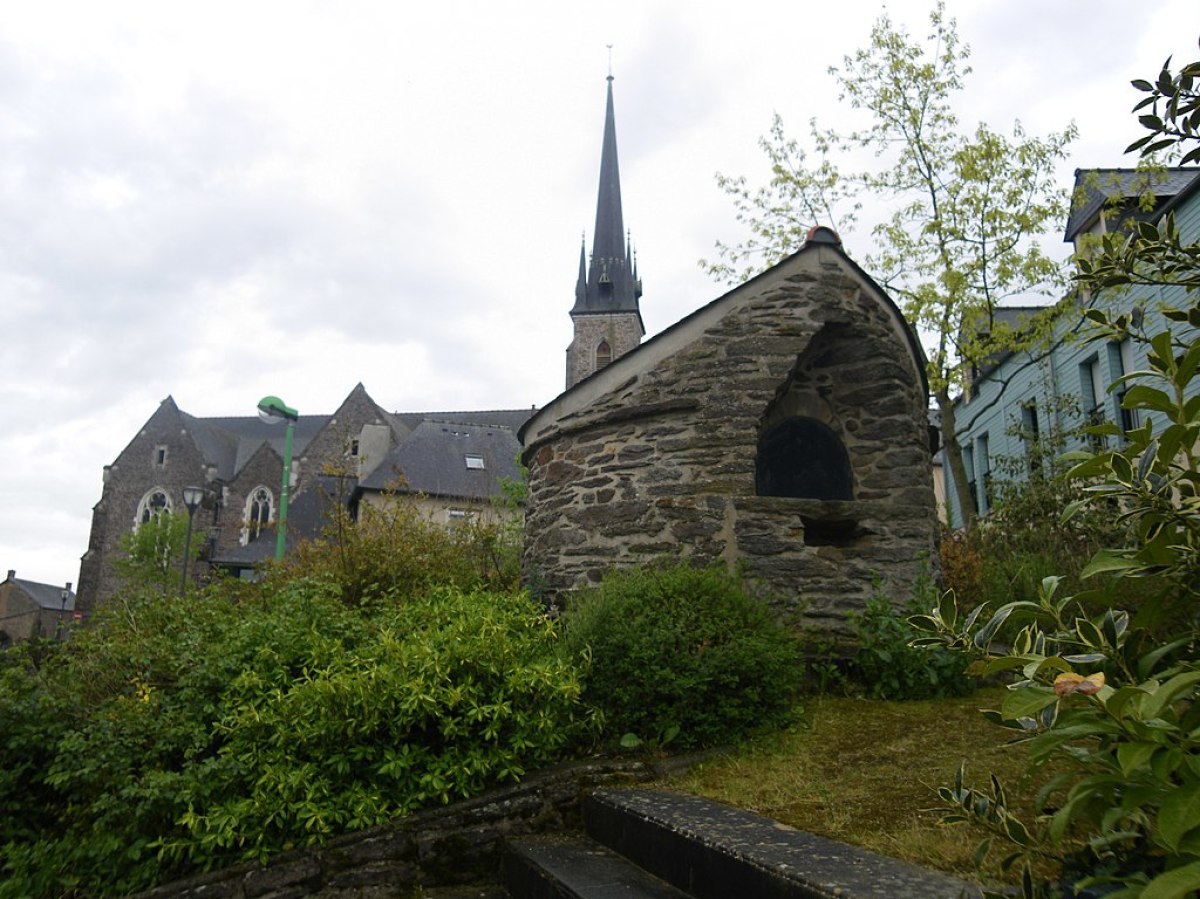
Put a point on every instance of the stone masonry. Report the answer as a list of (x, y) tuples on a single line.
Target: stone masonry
[(656, 456)]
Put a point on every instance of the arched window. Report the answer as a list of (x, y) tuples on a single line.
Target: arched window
[(259, 505), (803, 458), (603, 355), (154, 503)]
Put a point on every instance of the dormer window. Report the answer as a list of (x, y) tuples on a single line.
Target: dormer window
[(474, 461)]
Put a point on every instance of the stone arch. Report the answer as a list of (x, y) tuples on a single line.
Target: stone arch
[(802, 458), (153, 503)]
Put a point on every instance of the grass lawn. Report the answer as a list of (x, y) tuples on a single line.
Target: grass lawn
[(865, 772)]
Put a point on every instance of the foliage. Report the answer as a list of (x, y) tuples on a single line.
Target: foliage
[(170, 736), (151, 556), (967, 207), (886, 666), (1024, 537), (1174, 116), (684, 652), (394, 550), (1110, 695)]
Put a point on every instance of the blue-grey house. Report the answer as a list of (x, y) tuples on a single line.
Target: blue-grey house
[(1019, 398)]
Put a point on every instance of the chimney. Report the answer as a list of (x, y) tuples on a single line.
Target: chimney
[(12, 574)]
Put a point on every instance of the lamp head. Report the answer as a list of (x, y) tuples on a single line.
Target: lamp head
[(193, 497), (273, 410)]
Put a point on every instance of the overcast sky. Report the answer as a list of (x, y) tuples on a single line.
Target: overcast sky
[(217, 201)]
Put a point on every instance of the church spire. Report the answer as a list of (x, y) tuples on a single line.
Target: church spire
[(611, 284), (606, 314)]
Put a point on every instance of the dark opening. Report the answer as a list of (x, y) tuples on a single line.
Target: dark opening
[(803, 458)]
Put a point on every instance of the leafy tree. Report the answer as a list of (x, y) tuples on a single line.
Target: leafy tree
[(968, 207), (152, 555)]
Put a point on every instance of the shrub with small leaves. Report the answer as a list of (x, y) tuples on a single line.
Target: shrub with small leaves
[(684, 653)]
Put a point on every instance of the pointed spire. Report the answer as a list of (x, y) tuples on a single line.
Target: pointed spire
[(610, 285)]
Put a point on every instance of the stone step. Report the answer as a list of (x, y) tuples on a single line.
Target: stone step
[(714, 851), (574, 867)]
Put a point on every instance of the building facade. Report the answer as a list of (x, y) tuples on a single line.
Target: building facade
[(1022, 403), (453, 461), (30, 610)]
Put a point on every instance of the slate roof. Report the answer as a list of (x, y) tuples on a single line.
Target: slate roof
[(1095, 187), (432, 460), (47, 596)]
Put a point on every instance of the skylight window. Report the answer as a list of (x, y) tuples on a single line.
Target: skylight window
[(474, 460)]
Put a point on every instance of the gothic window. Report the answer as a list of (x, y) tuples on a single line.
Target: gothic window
[(603, 355), (153, 504), (258, 514), (803, 458)]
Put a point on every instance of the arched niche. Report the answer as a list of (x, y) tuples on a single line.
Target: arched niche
[(802, 458)]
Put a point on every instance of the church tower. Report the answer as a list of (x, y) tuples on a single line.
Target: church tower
[(606, 314)]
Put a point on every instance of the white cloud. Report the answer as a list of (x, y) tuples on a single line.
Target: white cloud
[(218, 201)]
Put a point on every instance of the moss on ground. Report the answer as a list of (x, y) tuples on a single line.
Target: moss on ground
[(865, 772)]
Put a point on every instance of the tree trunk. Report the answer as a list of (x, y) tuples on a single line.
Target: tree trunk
[(952, 453)]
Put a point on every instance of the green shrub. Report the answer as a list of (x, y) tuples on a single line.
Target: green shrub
[(885, 664), (683, 651), (172, 736)]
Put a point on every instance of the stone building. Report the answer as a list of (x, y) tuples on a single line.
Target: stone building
[(782, 427), (30, 609), (454, 461)]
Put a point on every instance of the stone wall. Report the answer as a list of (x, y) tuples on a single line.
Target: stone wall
[(457, 844), (622, 330), (659, 459)]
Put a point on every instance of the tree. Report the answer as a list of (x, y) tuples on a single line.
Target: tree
[(152, 555), (967, 208)]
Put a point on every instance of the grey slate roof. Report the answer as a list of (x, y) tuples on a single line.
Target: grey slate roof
[(47, 596), (432, 460), (1095, 187)]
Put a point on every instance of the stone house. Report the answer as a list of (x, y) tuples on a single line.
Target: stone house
[(30, 609), (783, 427)]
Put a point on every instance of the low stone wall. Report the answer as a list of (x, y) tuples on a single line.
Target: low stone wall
[(456, 844)]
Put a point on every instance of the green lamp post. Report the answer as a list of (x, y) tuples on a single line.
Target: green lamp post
[(273, 410)]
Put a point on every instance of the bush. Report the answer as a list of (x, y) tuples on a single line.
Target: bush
[(395, 551), (886, 666), (683, 651), (171, 736)]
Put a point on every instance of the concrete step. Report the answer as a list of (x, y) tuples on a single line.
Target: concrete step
[(714, 851), (574, 867)]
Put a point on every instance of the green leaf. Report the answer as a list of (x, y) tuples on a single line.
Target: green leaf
[(1174, 884), (1131, 756), (1173, 689), (1025, 702), (1179, 814), (1107, 561)]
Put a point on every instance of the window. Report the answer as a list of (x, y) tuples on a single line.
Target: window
[(474, 461), (803, 458), (259, 505), (160, 457), (153, 504), (1126, 365), (603, 355), (983, 502), (1030, 432), (1091, 392), (968, 455)]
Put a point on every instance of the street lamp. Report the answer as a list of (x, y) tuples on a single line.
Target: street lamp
[(192, 498), (273, 410), (62, 612)]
